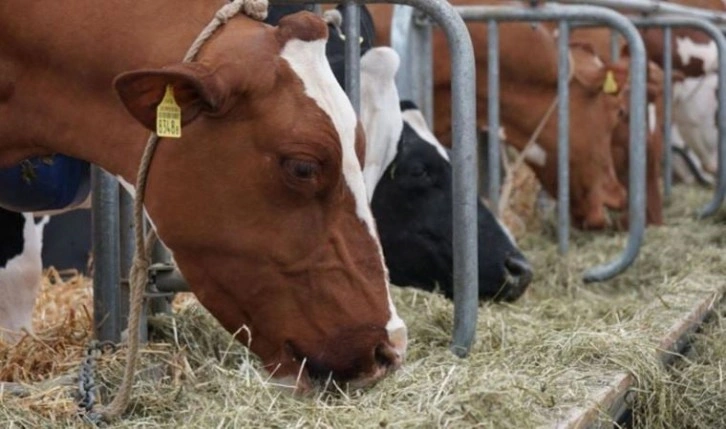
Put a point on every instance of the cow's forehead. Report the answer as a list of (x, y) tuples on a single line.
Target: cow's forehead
[(307, 59), (416, 121)]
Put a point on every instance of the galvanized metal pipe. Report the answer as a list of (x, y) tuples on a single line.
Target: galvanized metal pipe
[(549, 12), (351, 28), (126, 246), (654, 6), (424, 55), (493, 116), (563, 138), (667, 113), (411, 35), (106, 250), (718, 37)]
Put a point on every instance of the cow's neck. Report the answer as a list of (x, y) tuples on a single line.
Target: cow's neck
[(522, 111), (57, 64)]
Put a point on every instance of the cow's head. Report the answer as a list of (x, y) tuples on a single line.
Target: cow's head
[(263, 204), (595, 109), (409, 176)]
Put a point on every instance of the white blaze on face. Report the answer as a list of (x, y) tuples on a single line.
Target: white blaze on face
[(380, 113), (415, 120), (308, 61), (652, 118), (20, 280), (707, 53)]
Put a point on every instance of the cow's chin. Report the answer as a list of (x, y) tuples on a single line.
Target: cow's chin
[(303, 385), (298, 377)]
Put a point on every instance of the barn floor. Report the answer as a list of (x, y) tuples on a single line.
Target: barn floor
[(534, 361)]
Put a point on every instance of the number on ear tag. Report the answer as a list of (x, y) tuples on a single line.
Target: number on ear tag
[(610, 86), (168, 116)]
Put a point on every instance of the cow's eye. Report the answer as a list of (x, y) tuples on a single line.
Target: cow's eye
[(301, 169), (417, 170)]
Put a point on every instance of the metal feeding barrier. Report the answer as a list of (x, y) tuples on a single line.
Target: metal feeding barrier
[(667, 16), (565, 14), (166, 279)]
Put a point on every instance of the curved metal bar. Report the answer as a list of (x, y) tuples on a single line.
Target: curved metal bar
[(463, 160), (654, 6), (720, 40), (636, 194)]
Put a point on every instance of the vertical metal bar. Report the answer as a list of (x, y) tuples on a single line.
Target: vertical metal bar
[(463, 160), (667, 112), (493, 119), (563, 138), (126, 246), (614, 46), (105, 225), (351, 29), (636, 185), (423, 56)]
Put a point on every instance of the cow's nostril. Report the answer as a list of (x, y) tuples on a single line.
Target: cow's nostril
[(388, 357), (519, 268)]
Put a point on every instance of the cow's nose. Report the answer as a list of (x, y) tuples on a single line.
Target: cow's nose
[(388, 357), (519, 270)]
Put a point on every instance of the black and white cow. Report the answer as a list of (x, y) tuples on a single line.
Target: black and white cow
[(20, 270), (408, 174)]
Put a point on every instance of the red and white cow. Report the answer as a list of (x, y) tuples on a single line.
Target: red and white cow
[(262, 200)]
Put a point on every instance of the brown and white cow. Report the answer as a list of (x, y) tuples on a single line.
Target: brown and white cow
[(261, 201), (528, 87), (598, 40)]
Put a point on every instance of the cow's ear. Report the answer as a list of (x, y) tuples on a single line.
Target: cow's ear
[(195, 89), (607, 78)]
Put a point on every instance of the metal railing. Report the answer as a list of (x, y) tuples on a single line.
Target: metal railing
[(576, 13)]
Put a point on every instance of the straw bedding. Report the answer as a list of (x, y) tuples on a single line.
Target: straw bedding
[(532, 363)]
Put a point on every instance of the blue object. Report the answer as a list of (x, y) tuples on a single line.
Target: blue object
[(44, 183)]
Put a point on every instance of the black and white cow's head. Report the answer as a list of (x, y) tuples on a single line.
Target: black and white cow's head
[(408, 174)]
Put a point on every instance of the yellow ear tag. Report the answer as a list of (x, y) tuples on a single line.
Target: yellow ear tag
[(168, 116), (610, 86)]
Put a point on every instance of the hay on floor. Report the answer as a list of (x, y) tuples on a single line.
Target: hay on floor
[(533, 362)]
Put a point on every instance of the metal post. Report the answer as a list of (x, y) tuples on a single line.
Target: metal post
[(126, 245), (612, 19), (351, 24), (563, 138), (106, 276), (493, 113), (411, 35), (667, 112), (423, 84)]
